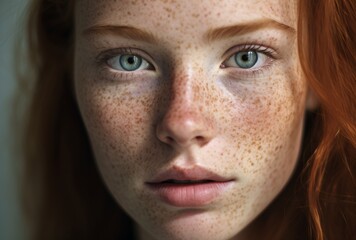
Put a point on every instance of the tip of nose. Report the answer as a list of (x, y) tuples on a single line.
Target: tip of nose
[(183, 130)]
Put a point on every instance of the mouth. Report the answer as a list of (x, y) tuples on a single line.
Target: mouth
[(193, 187), (188, 175), (174, 181)]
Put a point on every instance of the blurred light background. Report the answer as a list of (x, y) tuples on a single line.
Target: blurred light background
[(11, 23)]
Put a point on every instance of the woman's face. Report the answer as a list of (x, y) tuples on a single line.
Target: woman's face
[(194, 109)]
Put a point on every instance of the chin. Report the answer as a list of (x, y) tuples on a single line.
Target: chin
[(197, 225)]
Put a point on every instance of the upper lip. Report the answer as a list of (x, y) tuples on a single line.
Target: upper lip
[(195, 173)]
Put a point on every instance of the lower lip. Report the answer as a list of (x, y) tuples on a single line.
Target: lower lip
[(189, 195)]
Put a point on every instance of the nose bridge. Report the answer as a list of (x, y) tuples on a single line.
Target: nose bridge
[(186, 120), (185, 92)]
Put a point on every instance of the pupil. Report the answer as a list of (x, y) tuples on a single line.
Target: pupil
[(131, 60), (245, 57)]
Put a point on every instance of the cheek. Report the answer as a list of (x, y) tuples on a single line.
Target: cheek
[(265, 132), (121, 135), (118, 125)]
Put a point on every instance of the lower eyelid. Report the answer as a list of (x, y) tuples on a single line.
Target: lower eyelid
[(237, 73), (121, 76)]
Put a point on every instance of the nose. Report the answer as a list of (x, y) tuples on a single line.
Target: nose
[(186, 121)]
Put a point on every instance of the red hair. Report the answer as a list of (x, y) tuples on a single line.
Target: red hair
[(63, 193), (327, 49)]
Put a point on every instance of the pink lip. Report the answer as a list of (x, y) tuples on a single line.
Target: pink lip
[(191, 194)]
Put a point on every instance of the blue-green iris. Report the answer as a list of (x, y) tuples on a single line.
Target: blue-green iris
[(246, 59), (130, 62)]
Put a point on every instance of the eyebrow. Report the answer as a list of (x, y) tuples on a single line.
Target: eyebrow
[(133, 33), (240, 29), (123, 31)]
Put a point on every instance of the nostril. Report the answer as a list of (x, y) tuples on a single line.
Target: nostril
[(199, 138), (169, 139)]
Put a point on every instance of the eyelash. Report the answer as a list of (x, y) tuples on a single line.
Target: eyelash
[(270, 53), (256, 47)]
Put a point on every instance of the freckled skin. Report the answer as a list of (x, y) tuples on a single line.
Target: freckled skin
[(189, 111)]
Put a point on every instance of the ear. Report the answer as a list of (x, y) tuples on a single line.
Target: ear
[(312, 101)]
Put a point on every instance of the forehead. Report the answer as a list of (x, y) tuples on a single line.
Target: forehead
[(187, 15)]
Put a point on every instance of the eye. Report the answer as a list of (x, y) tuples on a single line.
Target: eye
[(128, 62), (247, 59)]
